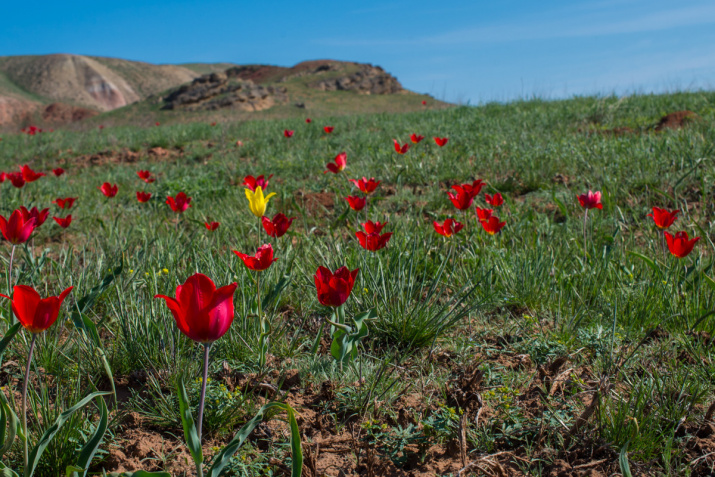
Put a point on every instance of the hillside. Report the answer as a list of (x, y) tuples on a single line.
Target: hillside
[(61, 88)]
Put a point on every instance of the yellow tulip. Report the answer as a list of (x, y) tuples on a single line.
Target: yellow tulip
[(257, 202)]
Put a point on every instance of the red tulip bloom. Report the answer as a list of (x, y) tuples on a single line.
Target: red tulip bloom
[(278, 226), (366, 186), (40, 216), (179, 203), (213, 123), (259, 262), (146, 176), (462, 199), (157, 123), (36, 314), (108, 190), (494, 200), (416, 138), (401, 149), (662, 218), (29, 175), (58, 171), (18, 228), (372, 241), (424, 103), (16, 179), (288, 133), (308, 120), (211, 226), (356, 203), (101, 126), (31, 130), (341, 161), (679, 244), (492, 225), (202, 312), (253, 182), (143, 197), (592, 200), (63, 222), (373, 227), (334, 288), (328, 129), (448, 228), (3, 176), (440, 141), (65, 203), (474, 188), (484, 214)]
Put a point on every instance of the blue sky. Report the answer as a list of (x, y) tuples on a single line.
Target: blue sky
[(472, 51)]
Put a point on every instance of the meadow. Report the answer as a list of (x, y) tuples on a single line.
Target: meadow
[(556, 346)]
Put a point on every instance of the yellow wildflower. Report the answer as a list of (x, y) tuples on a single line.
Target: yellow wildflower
[(257, 202)]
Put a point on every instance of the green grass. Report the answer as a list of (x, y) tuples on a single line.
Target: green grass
[(506, 306)]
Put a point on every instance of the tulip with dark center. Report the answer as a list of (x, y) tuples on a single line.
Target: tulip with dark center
[(494, 200), (204, 314), (416, 138), (341, 161), (462, 200), (253, 182), (35, 314), (356, 203), (401, 149), (448, 228), (146, 176), (278, 226), (371, 239), (179, 203), (63, 222), (492, 225), (29, 175), (484, 214), (65, 203), (308, 120), (288, 133), (211, 226), (328, 129), (40, 216), (143, 197), (365, 185), (108, 189), (334, 288), (680, 244), (440, 141), (58, 171), (663, 218), (15, 179)]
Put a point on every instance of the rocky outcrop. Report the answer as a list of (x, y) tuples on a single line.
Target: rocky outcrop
[(16, 111), (65, 113), (367, 80), (223, 90)]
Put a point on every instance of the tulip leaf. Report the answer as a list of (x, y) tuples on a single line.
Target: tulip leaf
[(224, 456), (90, 448), (345, 341), (8, 338), (623, 461), (140, 473), (709, 281), (87, 301), (36, 452), (8, 419), (6, 471), (648, 261), (191, 435), (275, 292)]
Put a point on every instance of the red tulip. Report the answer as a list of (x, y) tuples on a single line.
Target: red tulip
[(462, 199), (40, 216), (16, 179), (662, 218), (36, 314), (253, 182), (63, 222), (212, 226), (202, 312), (143, 197), (146, 176), (3, 176), (65, 203), (592, 200), (484, 214), (680, 245), (109, 190), (179, 203), (440, 141), (288, 133), (328, 129), (308, 120), (356, 203), (401, 149), (18, 228), (334, 288), (157, 123), (492, 225), (29, 175), (494, 200), (239, 143), (416, 138), (373, 227), (341, 161), (101, 126), (366, 186), (31, 130), (474, 188), (372, 240), (278, 226), (424, 103), (259, 262), (58, 171), (213, 123), (448, 228)]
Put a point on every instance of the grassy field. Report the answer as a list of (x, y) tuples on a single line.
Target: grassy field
[(522, 353)]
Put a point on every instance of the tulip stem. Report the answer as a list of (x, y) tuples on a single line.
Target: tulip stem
[(24, 396), (207, 346), (585, 220), (9, 271)]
